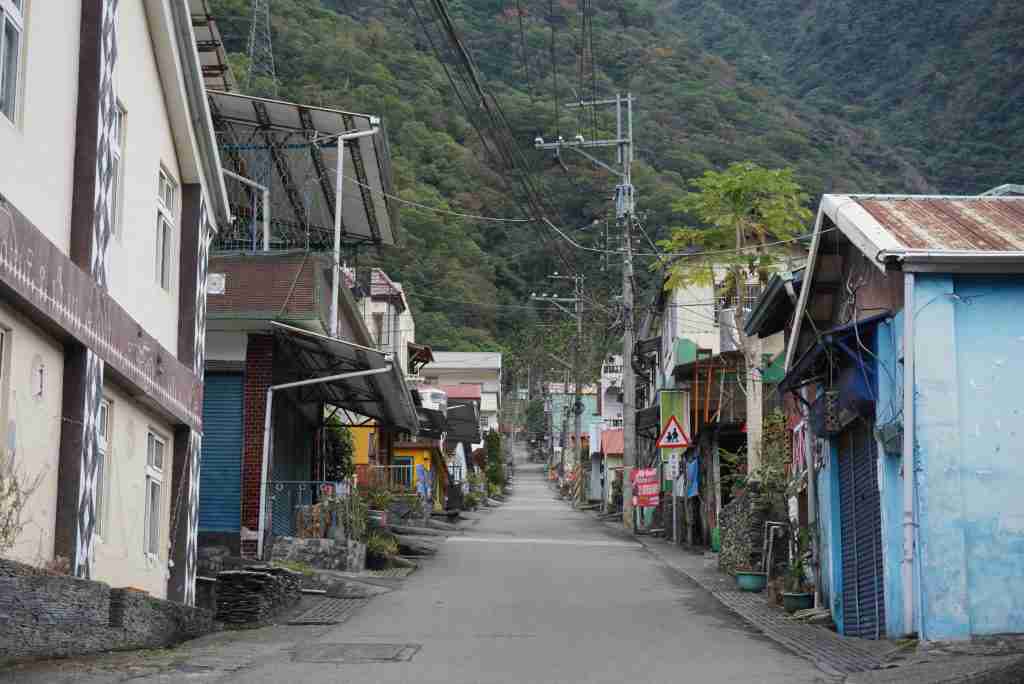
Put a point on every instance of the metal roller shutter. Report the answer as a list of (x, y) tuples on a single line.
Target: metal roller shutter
[(861, 522), (220, 476)]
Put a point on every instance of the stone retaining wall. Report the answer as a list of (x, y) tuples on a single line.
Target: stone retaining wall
[(44, 616), (324, 554)]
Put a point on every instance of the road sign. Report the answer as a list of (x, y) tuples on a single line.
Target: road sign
[(672, 437)]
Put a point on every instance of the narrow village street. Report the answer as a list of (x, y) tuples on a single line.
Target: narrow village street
[(533, 593), (530, 593)]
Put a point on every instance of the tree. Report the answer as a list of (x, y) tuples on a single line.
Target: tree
[(15, 490), (743, 214)]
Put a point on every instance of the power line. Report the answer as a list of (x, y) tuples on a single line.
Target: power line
[(436, 210)]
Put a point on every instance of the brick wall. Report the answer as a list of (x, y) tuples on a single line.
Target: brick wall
[(259, 374)]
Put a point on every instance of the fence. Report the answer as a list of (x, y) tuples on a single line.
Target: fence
[(286, 500), (396, 478)]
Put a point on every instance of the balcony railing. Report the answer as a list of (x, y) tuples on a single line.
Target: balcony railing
[(396, 478)]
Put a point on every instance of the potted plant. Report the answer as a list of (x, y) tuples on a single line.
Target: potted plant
[(798, 595), (749, 579)]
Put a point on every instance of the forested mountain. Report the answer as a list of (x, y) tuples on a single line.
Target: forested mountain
[(703, 102), (944, 78)]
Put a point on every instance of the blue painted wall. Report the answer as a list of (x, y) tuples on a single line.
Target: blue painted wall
[(969, 341), (829, 535), (889, 408)]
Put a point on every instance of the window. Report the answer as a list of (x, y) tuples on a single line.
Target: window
[(167, 195), (378, 329), (154, 480), (102, 449), (117, 150), (12, 27)]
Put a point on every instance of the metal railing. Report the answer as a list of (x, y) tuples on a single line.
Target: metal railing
[(456, 474), (289, 502), (397, 478)]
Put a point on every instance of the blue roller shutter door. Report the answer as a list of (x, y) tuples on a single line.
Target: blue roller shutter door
[(220, 480), (861, 522)]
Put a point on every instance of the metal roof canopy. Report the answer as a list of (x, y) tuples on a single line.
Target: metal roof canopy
[(212, 57), (285, 130), (384, 397), (464, 424)]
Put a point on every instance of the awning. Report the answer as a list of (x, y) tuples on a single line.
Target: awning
[(384, 397), (464, 424), (269, 141), (837, 338), (432, 422), (648, 421), (774, 308)]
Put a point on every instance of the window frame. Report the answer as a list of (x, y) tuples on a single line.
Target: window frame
[(103, 428), (154, 477), (13, 12), (117, 148), (167, 189)]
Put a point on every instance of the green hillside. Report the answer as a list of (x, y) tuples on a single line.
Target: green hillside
[(944, 78), (695, 111)]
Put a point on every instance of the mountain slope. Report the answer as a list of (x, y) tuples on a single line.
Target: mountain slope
[(695, 111), (943, 78)]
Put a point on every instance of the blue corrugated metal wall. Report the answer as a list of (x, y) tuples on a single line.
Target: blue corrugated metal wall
[(220, 482)]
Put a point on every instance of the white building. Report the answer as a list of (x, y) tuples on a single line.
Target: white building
[(110, 189), (470, 368), (610, 392)]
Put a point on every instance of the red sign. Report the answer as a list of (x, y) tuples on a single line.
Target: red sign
[(646, 487)]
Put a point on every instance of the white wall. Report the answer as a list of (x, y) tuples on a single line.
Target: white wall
[(38, 150), (30, 423), (148, 144), (119, 553)]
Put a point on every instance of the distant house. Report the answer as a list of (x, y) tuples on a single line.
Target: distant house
[(475, 368), (906, 356)]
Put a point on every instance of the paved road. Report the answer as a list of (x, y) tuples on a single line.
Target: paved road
[(536, 592)]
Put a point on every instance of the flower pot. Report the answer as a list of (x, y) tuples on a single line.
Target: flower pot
[(749, 580), (794, 601)]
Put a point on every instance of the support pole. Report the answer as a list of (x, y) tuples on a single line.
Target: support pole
[(625, 215), (908, 452), (339, 183), (268, 442)]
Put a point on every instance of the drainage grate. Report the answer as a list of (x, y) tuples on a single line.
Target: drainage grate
[(356, 653), (329, 611)]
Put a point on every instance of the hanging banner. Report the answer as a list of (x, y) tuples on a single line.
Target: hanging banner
[(646, 487), (675, 421)]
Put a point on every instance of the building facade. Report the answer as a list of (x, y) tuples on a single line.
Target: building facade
[(472, 368), (110, 191)]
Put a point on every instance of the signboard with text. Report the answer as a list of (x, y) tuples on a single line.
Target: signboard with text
[(646, 487)]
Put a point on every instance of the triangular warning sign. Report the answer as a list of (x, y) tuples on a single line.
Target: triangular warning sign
[(672, 437)]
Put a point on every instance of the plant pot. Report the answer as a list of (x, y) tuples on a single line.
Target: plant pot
[(794, 601), (749, 580)]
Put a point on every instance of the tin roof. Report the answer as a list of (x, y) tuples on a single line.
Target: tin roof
[(612, 441), (908, 228), (462, 391), (951, 223)]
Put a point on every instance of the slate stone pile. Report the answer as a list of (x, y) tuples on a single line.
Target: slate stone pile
[(257, 595)]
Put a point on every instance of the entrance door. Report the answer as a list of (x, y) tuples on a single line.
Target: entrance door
[(861, 522)]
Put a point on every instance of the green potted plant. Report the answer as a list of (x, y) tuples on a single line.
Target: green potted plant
[(749, 578), (798, 594)]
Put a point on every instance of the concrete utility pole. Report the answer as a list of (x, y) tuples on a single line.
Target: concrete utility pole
[(576, 366), (624, 212)]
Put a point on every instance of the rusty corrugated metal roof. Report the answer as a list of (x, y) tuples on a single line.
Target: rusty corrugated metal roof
[(993, 224)]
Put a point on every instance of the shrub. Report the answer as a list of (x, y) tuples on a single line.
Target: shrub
[(381, 545), (471, 500)]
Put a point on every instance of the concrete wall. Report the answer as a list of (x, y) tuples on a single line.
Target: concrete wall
[(970, 473), (148, 146), (120, 557), (30, 425), (39, 147)]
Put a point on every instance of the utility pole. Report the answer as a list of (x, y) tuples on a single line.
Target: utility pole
[(576, 366), (625, 206)]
